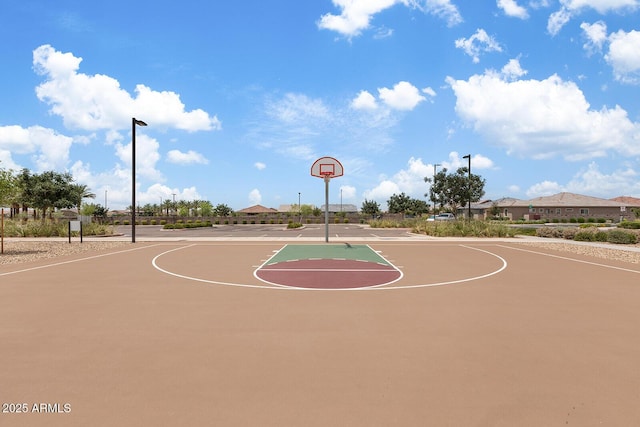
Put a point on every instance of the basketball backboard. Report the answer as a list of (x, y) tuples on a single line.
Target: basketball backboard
[(327, 167)]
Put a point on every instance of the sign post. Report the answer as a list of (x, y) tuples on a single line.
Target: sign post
[(326, 168), (75, 226)]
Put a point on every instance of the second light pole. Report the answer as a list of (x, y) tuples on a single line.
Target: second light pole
[(468, 156), (134, 122)]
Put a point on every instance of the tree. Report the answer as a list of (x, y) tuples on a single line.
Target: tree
[(370, 207), (456, 189), (80, 192), (222, 210), (401, 203), (8, 187), (398, 203), (47, 191), (206, 208)]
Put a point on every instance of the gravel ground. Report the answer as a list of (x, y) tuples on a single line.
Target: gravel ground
[(16, 251), (624, 253)]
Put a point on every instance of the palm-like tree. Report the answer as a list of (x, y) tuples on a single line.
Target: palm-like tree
[(80, 192)]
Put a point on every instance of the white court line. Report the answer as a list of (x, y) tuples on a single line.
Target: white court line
[(75, 260), (383, 287), (348, 270), (572, 259)]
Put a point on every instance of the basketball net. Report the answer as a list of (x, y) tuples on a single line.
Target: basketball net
[(326, 176)]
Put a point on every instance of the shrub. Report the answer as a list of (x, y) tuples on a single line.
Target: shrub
[(569, 233), (292, 224), (632, 225), (584, 236), (601, 236), (622, 237)]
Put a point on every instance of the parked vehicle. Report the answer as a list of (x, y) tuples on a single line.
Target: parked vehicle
[(447, 216)]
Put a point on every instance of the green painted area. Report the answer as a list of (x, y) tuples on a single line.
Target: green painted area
[(342, 251)]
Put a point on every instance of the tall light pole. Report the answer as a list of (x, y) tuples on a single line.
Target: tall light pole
[(134, 122), (468, 156), (299, 209), (433, 194)]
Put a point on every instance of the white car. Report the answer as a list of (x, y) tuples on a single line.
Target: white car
[(447, 216)]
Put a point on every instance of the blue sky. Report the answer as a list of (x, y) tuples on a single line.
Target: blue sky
[(242, 96)]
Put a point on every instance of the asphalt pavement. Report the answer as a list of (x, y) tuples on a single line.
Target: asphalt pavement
[(315, 232)]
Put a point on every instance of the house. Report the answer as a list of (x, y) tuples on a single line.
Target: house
[(632, 201), (256, 210), (561, 206)]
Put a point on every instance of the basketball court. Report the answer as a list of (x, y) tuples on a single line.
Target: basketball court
[(367, 333)]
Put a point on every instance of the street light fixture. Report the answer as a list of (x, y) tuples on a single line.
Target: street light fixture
[(134, 122), (468, 156)]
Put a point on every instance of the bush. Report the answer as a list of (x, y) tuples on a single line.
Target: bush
[(584, 236), (632, 225), (622, 237), (292, 224)]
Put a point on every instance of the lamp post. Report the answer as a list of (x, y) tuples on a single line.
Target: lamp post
[(299, 209), (134, 122), (433, 194), (468, 156)]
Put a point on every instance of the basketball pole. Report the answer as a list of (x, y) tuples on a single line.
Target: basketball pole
[(327, 178)]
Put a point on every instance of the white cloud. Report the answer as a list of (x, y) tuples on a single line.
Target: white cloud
[(298, 126), (190, 157), (364, 101), (260, 166), (294, 107), (512, 8), (478, 43), (409, 181), (557, 20), (456, 161), (98, 102), (356, 15), (513, 70), (115, 185), (624, 56), (348, 192), (543, 118), (593, 182), (544, 188), (48, 149), (147, 157), (403, 96), (571, 8), (255, 198), (601, 6), (596, 35)]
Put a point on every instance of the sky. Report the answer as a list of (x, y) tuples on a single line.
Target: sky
[(241, 97)]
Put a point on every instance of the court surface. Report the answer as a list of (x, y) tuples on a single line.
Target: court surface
[(466, 333)]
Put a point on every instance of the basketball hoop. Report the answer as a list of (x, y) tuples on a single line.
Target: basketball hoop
[(326, 176), (326, 168)]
